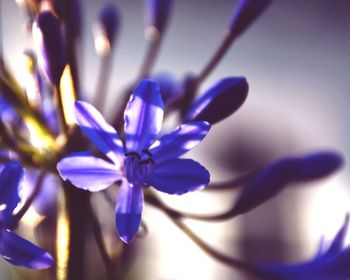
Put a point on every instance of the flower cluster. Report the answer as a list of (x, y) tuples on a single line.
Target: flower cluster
[(46, 127)]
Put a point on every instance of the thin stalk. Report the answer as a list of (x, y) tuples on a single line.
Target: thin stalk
[(228, 214), (150, 58), (100, 244), (39, 181), (218, 55), (102, 82), (145, 70), (109, 200), (231, 184), (228, 260)]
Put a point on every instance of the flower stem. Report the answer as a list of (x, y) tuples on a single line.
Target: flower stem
[(102, 82), (150, 58), (100, 244), (228, 260), (39, 181), (156, 202), (77, 205), (145, 70), (218, 55), (231, 184)]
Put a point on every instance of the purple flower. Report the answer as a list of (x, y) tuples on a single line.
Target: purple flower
[(13, 248), (330, 264), (143, 162)]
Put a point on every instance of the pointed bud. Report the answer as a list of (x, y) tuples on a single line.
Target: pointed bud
[(157, 17), (220, 101), (49, 41), (106, 28), (274, 177), (319, 165), (245, 13)]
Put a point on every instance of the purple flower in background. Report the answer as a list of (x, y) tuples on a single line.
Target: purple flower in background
[(13, 248), (331, 263), (143, 162)]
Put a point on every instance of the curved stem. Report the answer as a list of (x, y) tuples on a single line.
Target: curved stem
[(228, 260), (100, 244), (108, 198), (156, 202), (145, 70), (231, 184), (102, 82), (218, 55), (150, 58)]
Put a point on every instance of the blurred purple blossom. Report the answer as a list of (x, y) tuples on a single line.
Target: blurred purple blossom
[(13, 248)]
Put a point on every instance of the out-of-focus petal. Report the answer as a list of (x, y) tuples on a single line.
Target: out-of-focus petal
[(21, 252), (128, 211), (245, 13), (103, 135), (338, 242), (322, 268), (220, 101), (267, 183), (319, 165), (181, 140), (10, 178), (179, 176), (87, 172), (143, 116)]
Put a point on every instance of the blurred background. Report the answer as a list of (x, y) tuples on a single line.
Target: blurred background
[(296, 60)]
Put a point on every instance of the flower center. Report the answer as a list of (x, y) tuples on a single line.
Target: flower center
[(138, 171)]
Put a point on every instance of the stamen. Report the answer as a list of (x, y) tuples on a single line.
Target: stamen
[(147, 152), (149, 160), (133, 154)]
